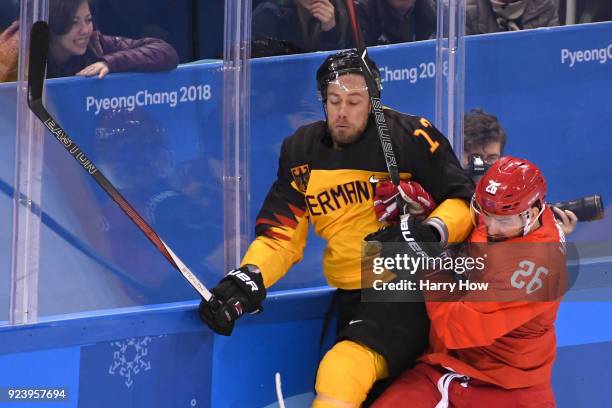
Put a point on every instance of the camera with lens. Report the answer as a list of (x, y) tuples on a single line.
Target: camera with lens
[(589, 208), (476, 167)]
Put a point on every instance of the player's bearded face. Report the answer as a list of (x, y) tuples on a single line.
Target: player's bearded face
[(348, 109), (502, 227)]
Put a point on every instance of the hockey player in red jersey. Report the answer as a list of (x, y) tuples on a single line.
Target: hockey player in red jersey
[(484, 352)]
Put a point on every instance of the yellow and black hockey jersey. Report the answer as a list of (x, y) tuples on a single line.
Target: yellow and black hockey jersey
[(334, 189)]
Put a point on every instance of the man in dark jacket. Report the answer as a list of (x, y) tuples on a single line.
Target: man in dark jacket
[(308, 25), (492, 16), (396, 21)]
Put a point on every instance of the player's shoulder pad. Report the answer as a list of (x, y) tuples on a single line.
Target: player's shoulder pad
[(414, 130), (298, 148)]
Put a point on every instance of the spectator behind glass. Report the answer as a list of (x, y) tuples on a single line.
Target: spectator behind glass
[(308, 25), (9, 40), (76, 49), (594, 10), (9, 53), (396, 21), (484, 136), (492, 16)]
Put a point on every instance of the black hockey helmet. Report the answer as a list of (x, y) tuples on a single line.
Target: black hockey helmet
[(342, 63)]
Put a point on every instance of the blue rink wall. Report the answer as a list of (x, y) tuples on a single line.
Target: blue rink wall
[(119, 326)]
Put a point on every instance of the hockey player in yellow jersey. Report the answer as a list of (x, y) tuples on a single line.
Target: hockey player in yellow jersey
[(327, 176)]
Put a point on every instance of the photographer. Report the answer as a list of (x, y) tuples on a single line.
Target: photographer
[(484, 142)]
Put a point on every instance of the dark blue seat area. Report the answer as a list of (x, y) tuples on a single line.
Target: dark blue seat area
[(9, 12), (193, 27), (169, 21)]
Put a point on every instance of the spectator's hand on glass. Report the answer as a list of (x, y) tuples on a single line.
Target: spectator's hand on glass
[(99, 68), (9, 35), (9, 40), (568, 220), (323, 11), (9, 52)]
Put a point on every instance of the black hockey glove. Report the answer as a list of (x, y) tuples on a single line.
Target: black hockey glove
[(241, 291), (420, 239)]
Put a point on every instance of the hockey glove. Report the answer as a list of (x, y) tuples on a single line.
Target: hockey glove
[(241, 291), (416, 200), (420, 239)]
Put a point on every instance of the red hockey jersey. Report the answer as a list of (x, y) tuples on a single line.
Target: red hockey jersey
[(510, 344)]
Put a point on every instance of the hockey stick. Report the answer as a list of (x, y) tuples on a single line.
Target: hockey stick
[(377, 107), (39, 47)]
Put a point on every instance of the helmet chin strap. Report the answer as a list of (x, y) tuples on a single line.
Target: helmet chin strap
[(528, 221)]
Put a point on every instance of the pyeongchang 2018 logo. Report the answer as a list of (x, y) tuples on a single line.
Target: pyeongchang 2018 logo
[(591, 55)]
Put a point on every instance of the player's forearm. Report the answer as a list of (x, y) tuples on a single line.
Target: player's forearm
[(454, 213), (273, 263)]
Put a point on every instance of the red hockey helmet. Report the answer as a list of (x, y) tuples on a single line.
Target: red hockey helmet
[(511, 186)]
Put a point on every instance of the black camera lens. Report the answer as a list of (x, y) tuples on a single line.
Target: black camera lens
[(589, 208), (477, 167)]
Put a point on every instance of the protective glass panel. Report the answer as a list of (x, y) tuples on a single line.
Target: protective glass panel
[(153, 129), (7, 124), (9, 50)]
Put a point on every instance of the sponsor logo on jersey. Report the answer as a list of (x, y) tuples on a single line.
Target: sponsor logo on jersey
[(301, 176)]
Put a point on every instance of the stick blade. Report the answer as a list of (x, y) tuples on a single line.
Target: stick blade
[(39, 47)]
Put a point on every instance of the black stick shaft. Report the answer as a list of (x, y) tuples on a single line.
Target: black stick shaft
[(377, 107)]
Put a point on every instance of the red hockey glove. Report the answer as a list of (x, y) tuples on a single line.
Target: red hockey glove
[(417, 200)]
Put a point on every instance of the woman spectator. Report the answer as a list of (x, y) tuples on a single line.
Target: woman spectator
[(77, 49)]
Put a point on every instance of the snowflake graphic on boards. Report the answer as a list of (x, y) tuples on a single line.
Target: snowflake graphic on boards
[(130, 358)]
